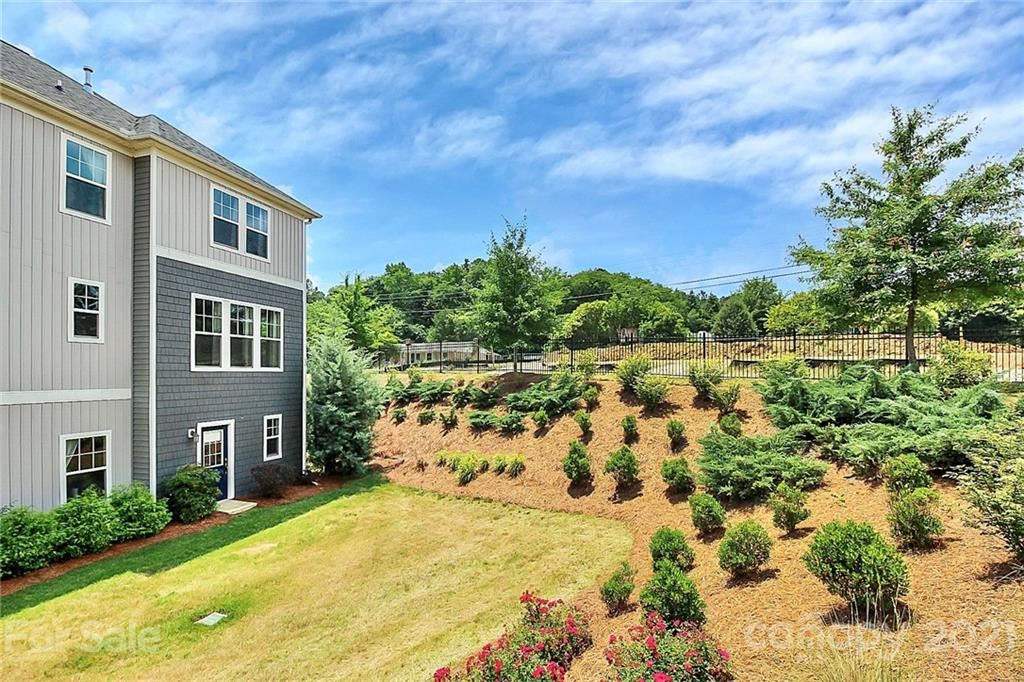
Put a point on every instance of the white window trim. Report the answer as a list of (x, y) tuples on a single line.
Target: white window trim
[(64, 465), (230, 423), (280, 437), (225, 337), (243, 226), (102, 313), (63, 207)]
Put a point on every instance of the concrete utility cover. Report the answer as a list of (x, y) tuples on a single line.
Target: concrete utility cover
[(212, 619)]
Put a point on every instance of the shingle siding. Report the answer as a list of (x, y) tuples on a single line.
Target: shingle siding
[(141, 253), (185, 398)]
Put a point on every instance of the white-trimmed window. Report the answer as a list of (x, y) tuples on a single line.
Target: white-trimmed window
[(86, 457), (271, 437), (224, 336), (85, 311), (257, 230), (85, 189), (225, 219)]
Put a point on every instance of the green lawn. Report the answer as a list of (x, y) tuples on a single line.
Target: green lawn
[(374, 577)]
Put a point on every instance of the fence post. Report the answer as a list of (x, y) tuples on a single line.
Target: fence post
[(704, 347), (440, 356), (572, 357), (794, 341)]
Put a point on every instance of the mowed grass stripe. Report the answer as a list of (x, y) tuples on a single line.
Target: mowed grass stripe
[(382, 580)]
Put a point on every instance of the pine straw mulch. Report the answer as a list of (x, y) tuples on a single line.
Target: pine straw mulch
[(777, 625)]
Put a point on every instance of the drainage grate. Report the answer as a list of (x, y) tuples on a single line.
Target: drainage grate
[(212, 619)]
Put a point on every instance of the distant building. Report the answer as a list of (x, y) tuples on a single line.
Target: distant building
[(435, 352)]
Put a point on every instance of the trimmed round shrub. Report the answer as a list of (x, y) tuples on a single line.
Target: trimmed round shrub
[(677, 475), (789, 507), (912, 518), (731, 425), (582, 420), (623, 466), (615, 591), (541, 418), (676, 433), (707, 513), (652, 390), (904, 473), (28, 541), (576, 463), (669, 544), (673, 595), (857, 564), (745, 547), (271, 479), (85, 524), (630, 429), (591, 397), (631, 370), (139, 513), (192, 492)]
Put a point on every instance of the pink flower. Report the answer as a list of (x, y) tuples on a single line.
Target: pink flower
[(662, 677), (442, 674)]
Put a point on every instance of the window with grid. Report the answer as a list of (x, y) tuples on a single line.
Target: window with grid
[(257, 230), (213, 448), (242, 332), (86, 310), (85, 463), (85, 179), (208, 333), (272, 437), (270, 338), (225, 219)]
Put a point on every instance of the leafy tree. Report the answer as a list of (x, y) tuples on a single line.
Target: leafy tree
[(801, 313), (734, 319), (759, 295), (587, 323), (518, 296), (902, 241), (662, 320)]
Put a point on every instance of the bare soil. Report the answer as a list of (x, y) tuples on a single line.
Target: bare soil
[(962, 618)]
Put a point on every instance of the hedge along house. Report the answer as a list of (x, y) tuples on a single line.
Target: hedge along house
[(154, 299)]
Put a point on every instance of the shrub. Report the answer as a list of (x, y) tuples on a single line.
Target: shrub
[(421, 464), (658, 651), (398, 415), (343, 404), (745, 547), (623, 466), (957, 367), (591, 397), (616, 590), (904, 473), (731, 425), (576, 463), (415, 374), (995, 489), (630, 429), (426, 417), (706, 512), (744, 468), (463, 395), (516, 466), (857, 564), (85, 524), (28, 541), (631, 370), (511, 423), (449, 419), (704, 378), (541, 419), (442, 458), (586, 364), (672, 595), (192, 492), (669, 544), (558, 394), (139, 514), (271, 479), (677, 475), (652, 391), (500, 464), (481, 420), (466, 469), (433, 392), (482, 466), (676, 433), (789, 507), (583, 420), (912, 518), (483, 398), (725, 398)]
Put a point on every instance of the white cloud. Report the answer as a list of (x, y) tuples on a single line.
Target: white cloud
[(65, 21)]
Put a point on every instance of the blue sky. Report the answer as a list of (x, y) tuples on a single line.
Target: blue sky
[(674, 141)]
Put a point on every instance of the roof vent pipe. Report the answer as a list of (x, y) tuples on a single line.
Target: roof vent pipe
[(88, 78)]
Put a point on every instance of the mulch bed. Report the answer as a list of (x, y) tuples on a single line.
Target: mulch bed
[(776, 623), (174, 529)]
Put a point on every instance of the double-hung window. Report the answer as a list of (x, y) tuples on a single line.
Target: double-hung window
[(85, 190), (85, 462), (257, 229), (225, 219), (228, 211), (85, 311), (272, 437), (234, 335)]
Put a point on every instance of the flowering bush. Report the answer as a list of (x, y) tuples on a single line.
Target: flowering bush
[(541, 646), (655, 652)]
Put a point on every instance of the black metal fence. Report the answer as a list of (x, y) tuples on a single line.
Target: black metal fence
[(825, 354)]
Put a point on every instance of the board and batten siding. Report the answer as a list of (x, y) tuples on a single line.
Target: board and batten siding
[(183, 207), (141, 266)]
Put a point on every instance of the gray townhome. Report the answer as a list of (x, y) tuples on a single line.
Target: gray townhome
[(153, 299)]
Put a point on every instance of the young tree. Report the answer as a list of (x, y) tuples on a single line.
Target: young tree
[(518, 296), (759, 295), (901, 241), (734, 319)]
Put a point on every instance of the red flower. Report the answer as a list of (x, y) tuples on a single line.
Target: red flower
[(442, 674), (662, 677)]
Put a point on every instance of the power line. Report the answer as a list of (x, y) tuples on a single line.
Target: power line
[(735, 274)]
